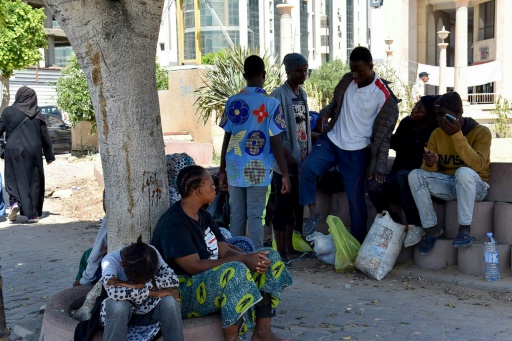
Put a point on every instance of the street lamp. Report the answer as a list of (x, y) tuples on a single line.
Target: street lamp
[(4, 331), (389, 51), (443, 34)]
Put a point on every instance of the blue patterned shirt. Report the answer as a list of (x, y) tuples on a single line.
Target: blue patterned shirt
[(251, 117)]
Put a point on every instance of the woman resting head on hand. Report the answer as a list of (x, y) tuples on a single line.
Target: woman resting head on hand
[(244, 287)]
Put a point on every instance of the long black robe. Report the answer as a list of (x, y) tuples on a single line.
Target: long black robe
[(24, 173)]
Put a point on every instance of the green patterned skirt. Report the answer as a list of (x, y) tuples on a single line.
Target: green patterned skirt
[(233, 290)]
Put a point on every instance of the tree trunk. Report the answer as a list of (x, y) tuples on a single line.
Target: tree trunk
[(115, 43), (4, 91)]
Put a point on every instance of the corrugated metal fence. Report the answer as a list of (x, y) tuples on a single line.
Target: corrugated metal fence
[(40, 80)]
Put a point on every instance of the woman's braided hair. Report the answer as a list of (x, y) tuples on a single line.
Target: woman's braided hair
[(189, 179), (140, 261)]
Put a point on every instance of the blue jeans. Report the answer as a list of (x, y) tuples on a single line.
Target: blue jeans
[(465, 186), (394, 189), (352, 166), (247, 205), (119, 316)]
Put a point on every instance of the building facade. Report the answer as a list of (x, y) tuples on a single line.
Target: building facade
[(59, 49), (477, 37), (321, 30)]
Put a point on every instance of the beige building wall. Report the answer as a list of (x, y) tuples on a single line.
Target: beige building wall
[(178, 111), (177, 104), (82, 140), (503, 38)]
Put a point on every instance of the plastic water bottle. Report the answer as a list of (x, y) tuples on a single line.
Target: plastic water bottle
[(492, 270)]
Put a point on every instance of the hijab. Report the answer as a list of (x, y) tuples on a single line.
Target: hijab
[(26, 101)]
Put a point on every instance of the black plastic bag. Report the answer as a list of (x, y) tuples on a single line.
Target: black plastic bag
[(219, 209)]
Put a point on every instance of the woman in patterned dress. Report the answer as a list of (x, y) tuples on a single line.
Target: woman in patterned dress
[(245, 288), (142, 295)]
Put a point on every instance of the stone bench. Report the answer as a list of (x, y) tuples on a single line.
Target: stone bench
[(494, 214), (58, 325)]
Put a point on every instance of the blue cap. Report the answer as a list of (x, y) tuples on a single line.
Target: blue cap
[(489, 234)]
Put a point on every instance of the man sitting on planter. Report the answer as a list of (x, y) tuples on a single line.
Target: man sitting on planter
[(455, 167)]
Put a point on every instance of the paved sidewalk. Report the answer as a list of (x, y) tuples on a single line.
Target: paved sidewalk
[(38, 261)]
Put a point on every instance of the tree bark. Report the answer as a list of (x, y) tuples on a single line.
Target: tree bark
[(115, 43), (4, 91)]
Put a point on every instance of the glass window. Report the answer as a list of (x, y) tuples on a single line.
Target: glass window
[(486, 20), (189, 46), (62, 54), (304, 28), (277, 31), (254, 24), (350, 27)]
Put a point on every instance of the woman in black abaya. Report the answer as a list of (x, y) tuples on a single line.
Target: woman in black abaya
[(26, 140)]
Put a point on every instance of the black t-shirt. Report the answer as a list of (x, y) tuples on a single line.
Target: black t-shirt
[(178, 235)]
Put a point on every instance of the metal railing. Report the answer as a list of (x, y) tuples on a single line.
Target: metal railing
[(487, 98)]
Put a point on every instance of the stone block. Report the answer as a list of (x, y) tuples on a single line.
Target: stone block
[(405, 254), (442, 255), (440, 208), (483, 220), (503, 223), (58, 325), (471, 259), (323, 203), (202, 153), (339, 207), (500, 182)]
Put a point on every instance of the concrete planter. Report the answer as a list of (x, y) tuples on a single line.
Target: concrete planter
[(442, 255), (59, 326), (471, 260), (483, 218)]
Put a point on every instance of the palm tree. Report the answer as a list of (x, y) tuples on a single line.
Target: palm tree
[(225, 78)]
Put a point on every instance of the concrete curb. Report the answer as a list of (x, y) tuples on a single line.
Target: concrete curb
[(59, 326), (452, 276)]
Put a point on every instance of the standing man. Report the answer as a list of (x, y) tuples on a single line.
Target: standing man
[(253, 122), (288, 212), (455, 167), (363, 114), (420, 85)]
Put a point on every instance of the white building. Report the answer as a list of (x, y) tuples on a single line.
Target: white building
[(321, 30), (478, 35)]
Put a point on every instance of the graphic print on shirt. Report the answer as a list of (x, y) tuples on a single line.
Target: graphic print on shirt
[(260, 113), (279, 118), (299, 109), (255, 172), (255, 143), (234, 143), (238, 112), (211, 243)]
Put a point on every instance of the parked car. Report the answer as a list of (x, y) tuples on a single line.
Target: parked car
[(60, 134), (51, 110)]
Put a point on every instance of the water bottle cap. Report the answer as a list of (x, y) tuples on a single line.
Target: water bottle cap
[(489, 234)]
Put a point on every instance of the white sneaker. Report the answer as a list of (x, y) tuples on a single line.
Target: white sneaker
[(15, 209), (414, 235)]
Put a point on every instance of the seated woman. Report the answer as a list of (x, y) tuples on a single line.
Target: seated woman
[(245, 288), (141, 295)]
